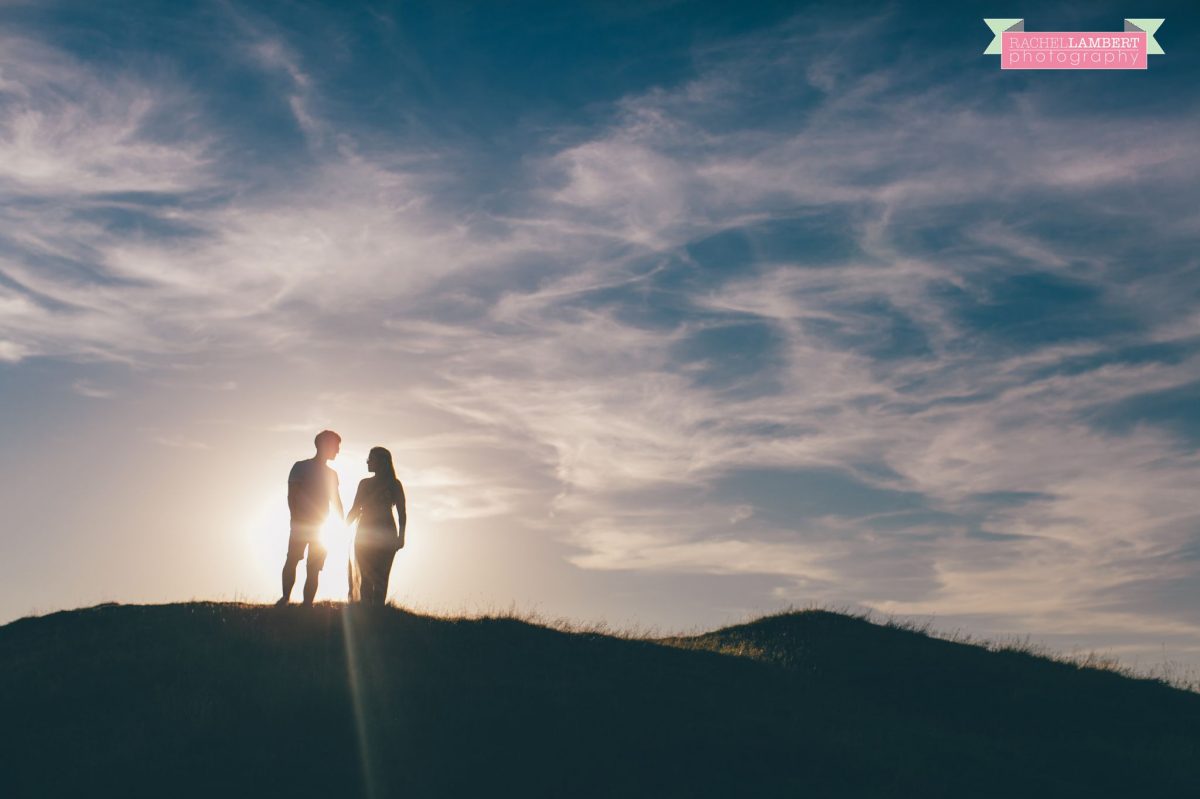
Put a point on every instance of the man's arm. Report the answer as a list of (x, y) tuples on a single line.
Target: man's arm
[(296, 498), (293, 500)]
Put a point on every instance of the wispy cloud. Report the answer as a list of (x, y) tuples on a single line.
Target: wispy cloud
[(86, 388), (67, 131), (180, 442)]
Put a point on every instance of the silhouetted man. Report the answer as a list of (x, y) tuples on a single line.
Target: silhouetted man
[(312, 487)]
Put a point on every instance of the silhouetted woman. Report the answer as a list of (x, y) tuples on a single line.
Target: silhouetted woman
[(378, 537)]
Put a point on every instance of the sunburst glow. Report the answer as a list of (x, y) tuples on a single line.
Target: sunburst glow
[(336, 537)]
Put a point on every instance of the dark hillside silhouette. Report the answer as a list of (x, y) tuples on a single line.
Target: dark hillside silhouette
[(234, 700)]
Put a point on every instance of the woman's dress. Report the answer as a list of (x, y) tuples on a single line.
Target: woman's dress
[(378, 537)]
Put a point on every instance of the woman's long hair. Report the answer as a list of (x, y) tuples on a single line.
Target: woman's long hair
[(382, 455)]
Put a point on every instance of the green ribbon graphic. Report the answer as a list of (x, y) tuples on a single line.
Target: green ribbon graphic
[(998, 27), (1148, 26)]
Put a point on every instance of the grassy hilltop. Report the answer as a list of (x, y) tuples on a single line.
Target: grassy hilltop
[(225, 700)]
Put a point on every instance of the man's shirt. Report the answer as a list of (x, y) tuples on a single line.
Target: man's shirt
[(311, 487)]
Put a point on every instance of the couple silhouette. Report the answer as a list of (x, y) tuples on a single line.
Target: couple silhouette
[(312, 489)]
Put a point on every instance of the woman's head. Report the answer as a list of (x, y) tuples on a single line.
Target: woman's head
[(379, 462)]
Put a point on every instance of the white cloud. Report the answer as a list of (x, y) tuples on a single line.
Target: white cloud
[(67, 130), (11, 352)]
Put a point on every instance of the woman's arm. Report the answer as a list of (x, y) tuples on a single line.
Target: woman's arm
[(356, 509), (401, 512)]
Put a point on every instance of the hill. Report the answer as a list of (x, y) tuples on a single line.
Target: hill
[(233, 700)]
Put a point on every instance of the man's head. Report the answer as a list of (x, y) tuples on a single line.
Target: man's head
[(328, 444)]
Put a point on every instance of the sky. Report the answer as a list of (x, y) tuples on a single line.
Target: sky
[(671, 313)]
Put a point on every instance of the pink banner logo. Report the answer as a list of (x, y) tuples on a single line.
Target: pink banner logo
[(1075, 50), (1019, 49)]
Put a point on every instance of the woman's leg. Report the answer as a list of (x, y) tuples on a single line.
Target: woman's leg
[(353, 579), (380, 559), (383, 573), (376, 590), (362, 554)]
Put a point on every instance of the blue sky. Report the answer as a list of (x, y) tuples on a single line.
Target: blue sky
[(671, 312)]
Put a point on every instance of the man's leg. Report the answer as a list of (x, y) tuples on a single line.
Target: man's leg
[(289, 569), (316, 562), (310, 580)]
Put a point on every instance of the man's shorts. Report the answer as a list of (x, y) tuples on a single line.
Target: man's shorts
[(316, 552)]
